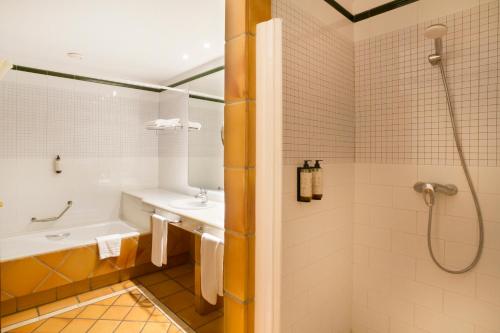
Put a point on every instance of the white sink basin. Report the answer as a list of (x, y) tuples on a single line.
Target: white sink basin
[(191, 204)]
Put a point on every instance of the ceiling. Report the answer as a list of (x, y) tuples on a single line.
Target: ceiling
[(141, 40)]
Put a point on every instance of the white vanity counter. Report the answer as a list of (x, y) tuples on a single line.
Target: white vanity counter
[(162, 199)]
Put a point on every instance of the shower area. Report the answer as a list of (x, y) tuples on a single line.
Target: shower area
[(401, 101)]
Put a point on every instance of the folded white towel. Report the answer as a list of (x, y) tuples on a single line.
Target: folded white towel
[(109, 246), (194, 126), (212, 267), (159, 228), (163, 123)]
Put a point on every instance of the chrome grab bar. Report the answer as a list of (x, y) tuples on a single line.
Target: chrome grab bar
[(50, 219)]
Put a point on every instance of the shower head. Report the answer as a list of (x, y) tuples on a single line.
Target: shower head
[(436, 32), (5, 65)]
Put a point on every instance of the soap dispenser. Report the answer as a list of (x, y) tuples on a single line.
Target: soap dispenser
[(304, 182), (317, 181)]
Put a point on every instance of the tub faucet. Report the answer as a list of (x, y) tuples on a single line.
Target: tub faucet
[(203, 196)]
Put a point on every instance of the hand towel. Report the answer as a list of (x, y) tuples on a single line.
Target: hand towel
[(212, 263), (109, 246), (159, 230)]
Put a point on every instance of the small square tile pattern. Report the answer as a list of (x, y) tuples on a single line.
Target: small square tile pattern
[(131, 311), (401, 110), (318, 88)]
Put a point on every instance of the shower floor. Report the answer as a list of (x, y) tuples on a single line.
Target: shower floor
[(154, 303)]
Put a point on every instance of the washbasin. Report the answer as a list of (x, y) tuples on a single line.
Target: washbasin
[(191, 204)]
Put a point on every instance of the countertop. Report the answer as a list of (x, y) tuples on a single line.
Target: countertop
[(161, 199)]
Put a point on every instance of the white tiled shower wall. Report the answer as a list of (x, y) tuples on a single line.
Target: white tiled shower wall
[(403, 135), (318, 111), (98, 132)]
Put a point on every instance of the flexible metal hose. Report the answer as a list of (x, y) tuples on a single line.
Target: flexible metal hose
[(471, 187)]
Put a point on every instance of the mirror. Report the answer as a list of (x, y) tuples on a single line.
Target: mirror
[(205, 134)]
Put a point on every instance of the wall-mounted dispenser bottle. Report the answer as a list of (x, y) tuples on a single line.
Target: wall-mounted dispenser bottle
[(304, 182), (57, 164), (317, 181)]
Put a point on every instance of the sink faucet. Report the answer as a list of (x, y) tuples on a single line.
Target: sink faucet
[(203, 196)]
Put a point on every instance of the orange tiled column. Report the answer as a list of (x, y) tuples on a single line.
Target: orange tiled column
[(242, 17)]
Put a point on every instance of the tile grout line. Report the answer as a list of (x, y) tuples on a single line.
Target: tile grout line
[(165, 310), (66, 309)]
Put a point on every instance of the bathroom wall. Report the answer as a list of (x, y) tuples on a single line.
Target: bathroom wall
[(318, 112), (403, 134), (98, 132)]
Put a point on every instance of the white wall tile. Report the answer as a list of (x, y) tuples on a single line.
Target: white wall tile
[(472, 310)]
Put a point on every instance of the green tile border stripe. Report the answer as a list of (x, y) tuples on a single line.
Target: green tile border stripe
[(197, 76), (83, 78), (370, 12), (115, 83)]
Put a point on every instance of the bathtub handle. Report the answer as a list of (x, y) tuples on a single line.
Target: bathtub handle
[(50, 219)]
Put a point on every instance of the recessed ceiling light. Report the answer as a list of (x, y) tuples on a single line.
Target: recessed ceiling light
[(75, 55), (185, 56), (114, 93), (206, 45)]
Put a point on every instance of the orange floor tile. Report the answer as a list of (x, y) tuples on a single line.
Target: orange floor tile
[(124, 310)]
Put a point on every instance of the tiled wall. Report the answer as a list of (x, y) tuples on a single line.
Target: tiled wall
[(318, 88), (401, 111), (318, 112), (98, 132), (403, 135)]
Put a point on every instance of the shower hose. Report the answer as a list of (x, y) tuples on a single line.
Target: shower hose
[(430, 203)]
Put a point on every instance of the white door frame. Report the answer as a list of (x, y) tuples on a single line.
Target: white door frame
[(268, 177)]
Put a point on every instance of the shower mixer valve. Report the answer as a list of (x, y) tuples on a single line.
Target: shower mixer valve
[(429, 190)]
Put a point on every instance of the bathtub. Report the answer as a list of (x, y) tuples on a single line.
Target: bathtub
[(54, 240)]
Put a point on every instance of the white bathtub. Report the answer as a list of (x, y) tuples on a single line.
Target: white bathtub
[(38, 243)]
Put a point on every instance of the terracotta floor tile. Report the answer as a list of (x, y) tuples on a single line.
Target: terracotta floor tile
[(195, 320), (130, 327), (127, 299), (57, 305), (123, 285), (104, 326), (158, 316), (18, 317), (165, 288), (147, 280), (116, 312), (93, 311), (179, 270), (70, 314), (27, 328), (174, 329), (179, 301), (94, 294), (144, 302), (156, 327), (216, 326), (139, 314), (52, 325), (186, 280), (107, 301), (78, 326)]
